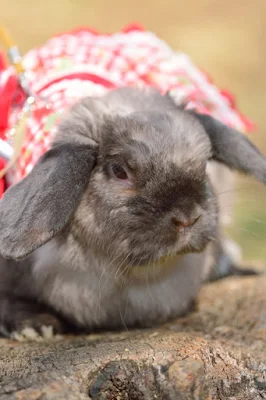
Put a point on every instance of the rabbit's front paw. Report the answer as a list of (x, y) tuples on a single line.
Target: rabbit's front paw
[(26, 320)]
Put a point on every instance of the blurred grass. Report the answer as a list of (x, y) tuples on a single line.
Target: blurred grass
[(225, 38), (249, 226)]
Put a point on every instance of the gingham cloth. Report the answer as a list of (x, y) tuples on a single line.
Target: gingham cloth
[(86, 63)]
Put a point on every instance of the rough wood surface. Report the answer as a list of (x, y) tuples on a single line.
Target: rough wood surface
[(217, 352)]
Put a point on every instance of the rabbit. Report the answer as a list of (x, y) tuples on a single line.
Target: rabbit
[(118, 224)]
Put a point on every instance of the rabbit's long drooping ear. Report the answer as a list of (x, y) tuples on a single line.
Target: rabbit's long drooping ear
[(233, 149), (38, 207)]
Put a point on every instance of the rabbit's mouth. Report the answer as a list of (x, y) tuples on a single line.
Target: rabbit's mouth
[(161, 258), (160, 265)]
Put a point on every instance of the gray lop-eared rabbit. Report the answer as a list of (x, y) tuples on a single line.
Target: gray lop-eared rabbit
[(118, 223)]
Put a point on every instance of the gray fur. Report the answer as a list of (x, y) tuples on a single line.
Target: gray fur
[(105, 254)]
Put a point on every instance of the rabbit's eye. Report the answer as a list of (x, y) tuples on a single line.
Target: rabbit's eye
[(119, 172)]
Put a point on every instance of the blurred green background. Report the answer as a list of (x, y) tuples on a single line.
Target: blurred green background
[(224, 37)]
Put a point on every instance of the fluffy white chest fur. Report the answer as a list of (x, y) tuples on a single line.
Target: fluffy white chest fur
[(97, 296)]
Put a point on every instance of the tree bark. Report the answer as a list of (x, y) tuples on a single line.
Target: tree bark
[(216, 352)]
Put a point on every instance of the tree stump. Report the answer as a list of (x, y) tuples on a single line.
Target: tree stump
[(216, 352)]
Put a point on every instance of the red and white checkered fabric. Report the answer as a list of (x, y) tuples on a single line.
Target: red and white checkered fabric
[(86, 63)]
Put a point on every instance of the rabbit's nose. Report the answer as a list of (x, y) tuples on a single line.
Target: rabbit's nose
[(183, 222)]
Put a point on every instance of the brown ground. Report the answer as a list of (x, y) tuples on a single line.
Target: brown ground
[(225, 37)]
